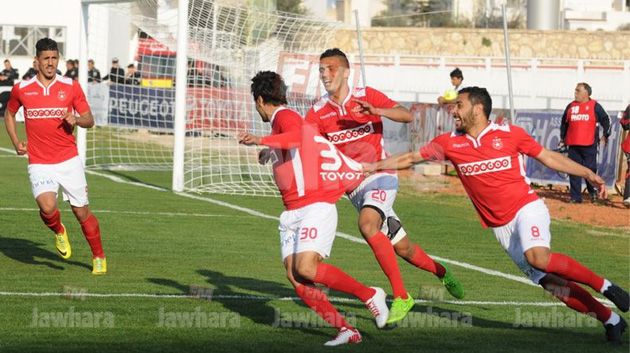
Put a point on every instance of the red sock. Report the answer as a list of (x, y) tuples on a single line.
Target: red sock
[(569, 269), (386, 257), (336, 279), (421, 260), (318, 301), (52, 221), (580, 300), (93, 235)]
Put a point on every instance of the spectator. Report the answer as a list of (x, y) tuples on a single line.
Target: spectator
[(8, 75), (625, 146), (579, 131), (31, 72), (94, 75), (133, 77), (449, 96), (197, 78), (116, 73), (71, 70)]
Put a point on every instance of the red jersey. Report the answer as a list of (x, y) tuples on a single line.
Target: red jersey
[(582, 123), (50, 138), (307, 168), (491, 168), (358, 136)]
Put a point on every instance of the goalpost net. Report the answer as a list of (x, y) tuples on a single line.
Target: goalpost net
[(227, 45)]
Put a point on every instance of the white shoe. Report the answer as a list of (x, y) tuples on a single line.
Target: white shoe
[(345, 336), (378, 307)]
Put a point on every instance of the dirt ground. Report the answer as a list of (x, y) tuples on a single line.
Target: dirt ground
[(608, 213)]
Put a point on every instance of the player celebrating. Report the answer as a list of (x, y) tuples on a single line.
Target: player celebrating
[(311, 175), (489, 161), (49, 101), (351, 119)]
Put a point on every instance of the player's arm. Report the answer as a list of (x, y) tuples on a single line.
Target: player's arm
[(85, 120), (604, 120), (9, 122), (397, 113), (399, 161), (284, 141), (564, 125), (559, 162)]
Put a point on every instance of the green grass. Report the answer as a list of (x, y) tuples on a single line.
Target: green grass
[(231, 253)]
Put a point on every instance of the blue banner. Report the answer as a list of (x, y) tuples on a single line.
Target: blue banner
[(545, 128), (141, 107)]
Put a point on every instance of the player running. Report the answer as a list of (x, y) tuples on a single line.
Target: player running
[(49, 102), (311, 176), (489, 161), (351, 120)]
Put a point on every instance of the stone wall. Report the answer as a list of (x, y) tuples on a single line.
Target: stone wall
[(488, 42)]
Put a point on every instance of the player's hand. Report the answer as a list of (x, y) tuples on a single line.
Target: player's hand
[(248, 139), (70, 119), (603, 140), (364, 107), (264, 155), (598, 183), (21, 148)]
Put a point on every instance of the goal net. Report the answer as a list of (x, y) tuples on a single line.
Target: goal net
[(227, 45)]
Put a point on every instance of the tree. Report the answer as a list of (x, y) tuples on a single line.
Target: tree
[(292, 6)]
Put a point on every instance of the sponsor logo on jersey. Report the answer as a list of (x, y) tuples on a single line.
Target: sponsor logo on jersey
[(579, 117), (356, 133), (497, 144), (45, 113), (487, 166)]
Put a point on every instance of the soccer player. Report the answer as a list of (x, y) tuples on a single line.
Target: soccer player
[(351, 120), (311, 175), (489, 161), (50, 102)]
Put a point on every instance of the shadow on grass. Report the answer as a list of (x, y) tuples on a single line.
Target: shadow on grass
[(32, 253)]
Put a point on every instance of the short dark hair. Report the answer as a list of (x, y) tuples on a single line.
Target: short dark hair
[(457, 73), (45, 44), (6, 61), (270, 86), (131, 65), (587, 87), (338, 53), (479, 95)]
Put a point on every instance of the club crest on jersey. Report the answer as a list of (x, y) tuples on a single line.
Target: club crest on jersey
[(61, 95), (497, 144)]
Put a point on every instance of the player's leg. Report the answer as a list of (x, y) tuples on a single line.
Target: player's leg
[(578, 299), (74, 190), (626, 189), (532, 225), (44, 187), (575, 182), (315, 237)]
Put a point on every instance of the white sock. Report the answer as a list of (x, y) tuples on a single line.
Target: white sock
[(613, 320), (605, 286)]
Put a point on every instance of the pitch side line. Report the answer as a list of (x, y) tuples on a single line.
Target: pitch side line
[(264, 298), (177, 214), (339, 234)]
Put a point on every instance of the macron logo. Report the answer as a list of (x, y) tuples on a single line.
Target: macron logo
[(487, 166), (329, 115)]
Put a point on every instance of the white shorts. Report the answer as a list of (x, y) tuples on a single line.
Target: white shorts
[(528, 229), (378, 191), (68, 175), (310, 228)]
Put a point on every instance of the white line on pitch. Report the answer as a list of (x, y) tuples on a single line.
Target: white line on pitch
[(264, 298), (178, 214), (339, 234)]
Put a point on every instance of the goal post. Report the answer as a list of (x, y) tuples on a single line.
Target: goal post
[(183, 113)]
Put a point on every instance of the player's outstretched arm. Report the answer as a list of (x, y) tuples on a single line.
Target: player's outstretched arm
[(559, 162), (399, 161), (397, 113), (282, 141), (9, 122)]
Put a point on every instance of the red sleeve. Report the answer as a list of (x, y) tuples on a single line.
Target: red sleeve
[(525, 143), (313, 118), (378, 98), (289, 127), (14, 99), (79, 103), (435, 150)]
